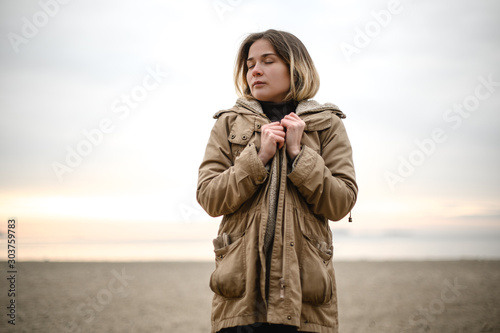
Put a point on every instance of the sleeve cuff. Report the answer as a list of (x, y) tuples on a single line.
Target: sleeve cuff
[(250, 161), (302, 165)]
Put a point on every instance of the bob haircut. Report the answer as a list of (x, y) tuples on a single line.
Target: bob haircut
[(304, 79)]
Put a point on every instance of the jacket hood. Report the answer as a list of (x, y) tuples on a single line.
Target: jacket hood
[(304, 107)]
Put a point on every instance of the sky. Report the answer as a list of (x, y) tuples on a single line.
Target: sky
[(106, 108)]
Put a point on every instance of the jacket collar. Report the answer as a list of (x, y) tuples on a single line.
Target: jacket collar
[(305, 106), (251, 106)]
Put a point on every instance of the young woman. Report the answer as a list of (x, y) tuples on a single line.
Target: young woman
[(278, 166)]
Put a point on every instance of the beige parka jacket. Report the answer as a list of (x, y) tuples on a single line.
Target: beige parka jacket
[(319, 186)]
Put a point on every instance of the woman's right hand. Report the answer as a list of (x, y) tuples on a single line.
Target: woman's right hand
[(272, 136)]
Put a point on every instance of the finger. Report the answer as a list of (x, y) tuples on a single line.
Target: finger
[(280, 132), (293, 117), (293, 123), (274, 123), (272, 126), (280, 141), (279, 138), (289, 123), (285, 122), (276, 137), (288, 119)]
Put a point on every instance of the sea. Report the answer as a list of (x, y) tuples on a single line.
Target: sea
[(382, 246)]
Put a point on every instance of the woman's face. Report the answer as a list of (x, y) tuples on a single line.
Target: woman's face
[(268, 76)]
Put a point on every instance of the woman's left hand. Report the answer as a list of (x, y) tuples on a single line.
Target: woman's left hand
[(294, 130)]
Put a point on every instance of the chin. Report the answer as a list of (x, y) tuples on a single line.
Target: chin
[(262, 98)]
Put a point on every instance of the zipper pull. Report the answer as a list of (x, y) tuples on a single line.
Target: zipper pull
[(282, 288)]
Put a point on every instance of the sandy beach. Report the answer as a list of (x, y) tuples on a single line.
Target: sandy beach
[(444, 296)]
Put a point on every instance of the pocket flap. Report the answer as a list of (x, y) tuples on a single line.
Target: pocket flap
[(318, 122), (242, 130)]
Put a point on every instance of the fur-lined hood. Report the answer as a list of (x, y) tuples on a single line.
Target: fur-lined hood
[(304, 107)]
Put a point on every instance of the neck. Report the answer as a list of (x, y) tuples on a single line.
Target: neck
[(276, 111)]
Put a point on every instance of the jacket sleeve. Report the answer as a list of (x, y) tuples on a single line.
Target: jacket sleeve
[(327, 181), (223, 186)]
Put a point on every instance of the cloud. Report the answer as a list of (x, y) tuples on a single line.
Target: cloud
[(394, 92)]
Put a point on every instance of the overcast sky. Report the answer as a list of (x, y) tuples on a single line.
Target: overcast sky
[(131, 88)]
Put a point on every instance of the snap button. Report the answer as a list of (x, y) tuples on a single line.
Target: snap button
[(289, 317), (291, 244), (233, 136), (244, 137), (258, 126)]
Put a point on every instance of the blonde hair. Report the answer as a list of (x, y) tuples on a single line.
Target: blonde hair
[(304, 79)]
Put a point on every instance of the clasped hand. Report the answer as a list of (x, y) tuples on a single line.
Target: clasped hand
[(274, 136)]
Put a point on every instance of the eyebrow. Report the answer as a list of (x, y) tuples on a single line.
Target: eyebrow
[(262, 56)]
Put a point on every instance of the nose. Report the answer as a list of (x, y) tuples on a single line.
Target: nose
[(256, 70)]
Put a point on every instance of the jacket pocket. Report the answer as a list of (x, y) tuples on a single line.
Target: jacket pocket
[(229, 278), (316, 272), (238, 143), (244, 130)]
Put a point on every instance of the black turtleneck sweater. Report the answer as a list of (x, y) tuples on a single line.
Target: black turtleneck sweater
[(276, 111)]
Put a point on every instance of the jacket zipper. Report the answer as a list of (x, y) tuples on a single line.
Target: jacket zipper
[(284, 224)]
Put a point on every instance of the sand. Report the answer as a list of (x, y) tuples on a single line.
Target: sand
[(453, 296)]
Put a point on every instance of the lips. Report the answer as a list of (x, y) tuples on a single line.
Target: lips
[(258, 83)]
